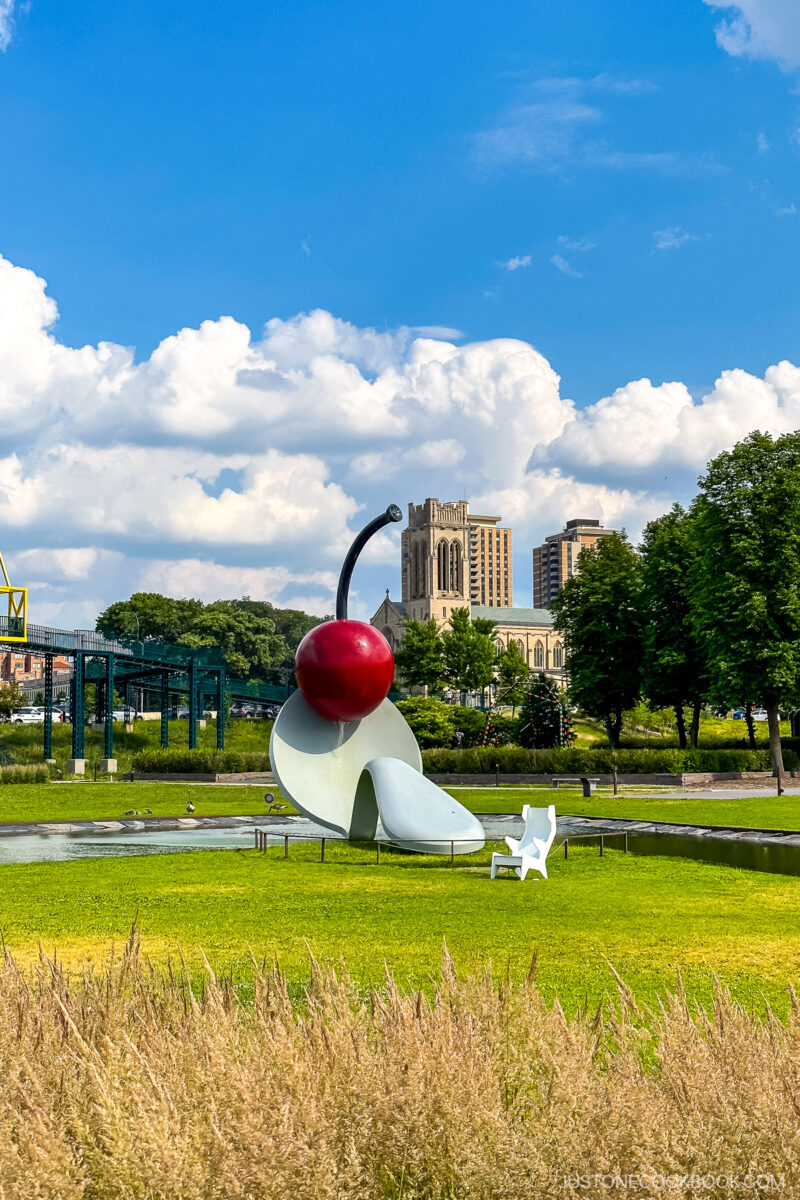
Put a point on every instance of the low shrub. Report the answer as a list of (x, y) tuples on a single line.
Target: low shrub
[(21, 774), (514, 760), (179, 760), (434, 723)]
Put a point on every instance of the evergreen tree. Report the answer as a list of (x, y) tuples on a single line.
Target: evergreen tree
[(544, 720), (512, 676)]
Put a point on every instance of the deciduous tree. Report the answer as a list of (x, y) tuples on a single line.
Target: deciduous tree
[(598, 612), (746, 590), (675, 673), (419, 661)]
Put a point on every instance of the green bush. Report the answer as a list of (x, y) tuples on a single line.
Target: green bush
[(33, 774), (182, 761), (431, 720), (514, 760)]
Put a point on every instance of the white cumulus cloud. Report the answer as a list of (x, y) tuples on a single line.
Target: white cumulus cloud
[(232, 461), (760, 29)]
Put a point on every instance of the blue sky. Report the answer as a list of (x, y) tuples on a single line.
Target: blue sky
[(614, 186), (169, 163)]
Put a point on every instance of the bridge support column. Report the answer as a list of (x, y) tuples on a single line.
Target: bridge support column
[(109, 763), (221, 714), (48, 707), (77, 764), (165, 710), (193, 682)]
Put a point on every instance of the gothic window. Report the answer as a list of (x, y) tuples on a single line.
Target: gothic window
[(499, 647), (387, 633), (456, 580), (558, 655), (419, 571), (443, 565), (538, 655)]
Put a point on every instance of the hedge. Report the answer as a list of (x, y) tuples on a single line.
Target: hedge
[(20, 774), (181, 761), (513, 760)]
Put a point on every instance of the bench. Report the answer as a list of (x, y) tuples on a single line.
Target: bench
[(586, 782)]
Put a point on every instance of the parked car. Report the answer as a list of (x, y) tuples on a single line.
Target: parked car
[(240, 709), (28, 716), (759, 714), (183, 714), (128, 715)]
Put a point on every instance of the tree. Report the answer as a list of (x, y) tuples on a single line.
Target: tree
[(544, 720), (469, 654), (675, 673), (291, 623), (746, 588), (512, 676), (12, 697), (419, 660), (249, 644), (148, 615), (598, 613)]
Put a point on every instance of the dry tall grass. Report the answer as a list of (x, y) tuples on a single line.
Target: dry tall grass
[(122, 1084)]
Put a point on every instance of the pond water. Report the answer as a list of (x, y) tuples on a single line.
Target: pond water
[(777, 857)]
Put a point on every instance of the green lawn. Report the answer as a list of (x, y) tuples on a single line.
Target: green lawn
[(102, 801), (106, 801), (767, 811), (647, 916), (24, 742)]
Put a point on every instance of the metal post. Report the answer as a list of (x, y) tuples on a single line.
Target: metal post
[(377, 853), (221, 714), (452, 853), (286, 846), (192, 703), (165, 709), (109, 689), (566, 847), (78, 694), (99, 701), (626, 843), (616, 782), (601, 845), (322, 850), (48, 706)]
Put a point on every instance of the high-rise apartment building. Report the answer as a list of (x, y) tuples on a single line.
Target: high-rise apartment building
[(452, 558), (556, 560)]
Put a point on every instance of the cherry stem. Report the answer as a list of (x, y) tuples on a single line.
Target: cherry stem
[(392, 513)]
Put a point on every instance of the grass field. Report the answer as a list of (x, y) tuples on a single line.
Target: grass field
[(646, 916), (24, 742), (108, 801), (102, 801)]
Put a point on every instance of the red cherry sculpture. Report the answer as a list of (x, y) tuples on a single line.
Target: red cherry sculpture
[(345, 668)]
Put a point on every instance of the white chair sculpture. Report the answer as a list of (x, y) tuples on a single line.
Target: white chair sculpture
[(530, 852)]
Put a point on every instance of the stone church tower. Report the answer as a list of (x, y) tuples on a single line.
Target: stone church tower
[(452, 558)]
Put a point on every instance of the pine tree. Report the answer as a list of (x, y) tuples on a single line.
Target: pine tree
[(544, 719)]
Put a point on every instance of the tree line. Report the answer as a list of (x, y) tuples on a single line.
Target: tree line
[(707, 611), (257, 639)]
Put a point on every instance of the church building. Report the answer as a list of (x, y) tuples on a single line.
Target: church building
[(452, 558)]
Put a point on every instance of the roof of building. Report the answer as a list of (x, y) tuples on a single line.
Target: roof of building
[(511, 616)]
